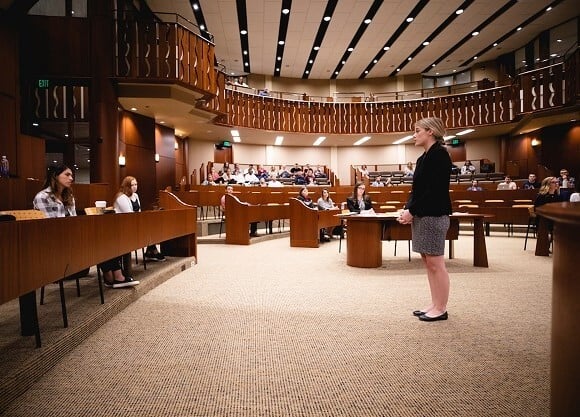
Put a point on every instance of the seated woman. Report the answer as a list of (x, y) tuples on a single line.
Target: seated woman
[(303, 196), (325, 203), (127, 201), (359, 201), (57, 200), (549, 193)]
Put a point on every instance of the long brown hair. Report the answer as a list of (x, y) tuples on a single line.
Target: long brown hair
[(51, 181)]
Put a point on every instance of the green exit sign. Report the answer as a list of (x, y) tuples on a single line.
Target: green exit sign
[(43, 84), (455, 141)]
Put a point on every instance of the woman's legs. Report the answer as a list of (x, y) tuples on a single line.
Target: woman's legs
[(438, 284)]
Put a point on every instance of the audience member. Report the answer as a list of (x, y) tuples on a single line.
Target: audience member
[(127, 201), (549, 192), (567, 184), (364, 171), (299, 178), (474, 186), (359, 201), (264, 93), (409, 171), (325, 203), (57, 200), (507, 184), (284, 173), (378, 182), (531, 183), (467, 168), (274, 182), (319, 173), (303, 196), (295, 168)]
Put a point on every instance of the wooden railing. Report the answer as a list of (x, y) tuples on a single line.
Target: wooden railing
[(164, 51)]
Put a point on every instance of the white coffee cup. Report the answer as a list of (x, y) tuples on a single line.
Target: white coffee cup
[(101, 204)]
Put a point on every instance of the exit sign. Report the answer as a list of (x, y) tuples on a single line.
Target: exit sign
[(43, 84)]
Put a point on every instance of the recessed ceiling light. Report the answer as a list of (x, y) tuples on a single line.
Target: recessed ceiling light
[(235, 132), (133, 108), (277, 69), (361, 140), (350, 49), (280, 42), (279, 140), (375, 61), (237, 139), (558, 40), (307, 72), (474, 57), (244, 32), (366, 71), (474, 33), (246, 64), (326, 18), (398, 69), (343, 62), (162, 122), (425, 43), (410, 58), (336, 72), (202, 27), (454, 70), (386, 48), (553, 55), (285, 11), (520, 28), (195, 6), (495, 44), (279, 58), (245, 52), (410, 19), (367, 21), (458, 11), (316, 48), (549, 8), (311, 61)]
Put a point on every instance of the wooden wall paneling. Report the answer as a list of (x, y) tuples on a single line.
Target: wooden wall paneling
[(8, 125)]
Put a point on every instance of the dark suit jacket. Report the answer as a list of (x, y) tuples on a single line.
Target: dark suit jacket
[(353, 207)]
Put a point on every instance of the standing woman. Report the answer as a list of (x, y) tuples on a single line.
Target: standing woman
[(428, 210), (127, 201)]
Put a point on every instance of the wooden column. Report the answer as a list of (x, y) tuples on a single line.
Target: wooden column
[(565, 366)]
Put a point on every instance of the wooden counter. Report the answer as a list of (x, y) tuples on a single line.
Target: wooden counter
[(565, 366), (34, 253)]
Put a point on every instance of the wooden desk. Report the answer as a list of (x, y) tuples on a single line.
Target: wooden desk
[(565, 366), (306, 222), (34, 253), (239, 215), (365, 234)]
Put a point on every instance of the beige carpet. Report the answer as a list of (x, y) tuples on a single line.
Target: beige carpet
[(269, 330)]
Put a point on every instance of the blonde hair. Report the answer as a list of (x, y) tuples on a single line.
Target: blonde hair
[(434, 124)]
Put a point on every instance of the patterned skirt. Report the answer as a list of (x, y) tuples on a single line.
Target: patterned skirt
[(429, 234)]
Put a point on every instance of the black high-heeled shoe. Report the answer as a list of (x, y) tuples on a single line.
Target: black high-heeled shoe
[(425, 317)]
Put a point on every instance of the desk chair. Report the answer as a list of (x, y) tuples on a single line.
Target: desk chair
[(22, 215), (343, 225), (222, 221), (531, 224)]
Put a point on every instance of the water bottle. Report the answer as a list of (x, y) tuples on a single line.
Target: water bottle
[(4, 167)]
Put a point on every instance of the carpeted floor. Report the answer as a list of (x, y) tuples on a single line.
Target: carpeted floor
[(269, 330)]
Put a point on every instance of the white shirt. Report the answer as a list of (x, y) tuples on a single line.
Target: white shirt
[(123, 203), (575, 198)]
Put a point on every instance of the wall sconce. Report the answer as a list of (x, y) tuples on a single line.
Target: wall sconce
[(536, 142), (176, 146), (156, 157), (121, 160)]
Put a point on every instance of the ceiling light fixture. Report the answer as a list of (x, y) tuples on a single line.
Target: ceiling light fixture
[(361, 140), (458, 11), (235, 132), (279, 140), (327, 18), (475, 33), (280, 42), (367, 21), (318, 141), (386, 48), (237, 139), (410, 19), (465, 132), (405, 139), (244, 32), (285, 11), (425, 43)]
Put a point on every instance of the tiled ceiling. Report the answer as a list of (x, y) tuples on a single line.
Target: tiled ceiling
[(305, 17)]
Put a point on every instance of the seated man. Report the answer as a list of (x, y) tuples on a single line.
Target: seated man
[(378, 182), (531, 182), (507, 184), (474, 186)]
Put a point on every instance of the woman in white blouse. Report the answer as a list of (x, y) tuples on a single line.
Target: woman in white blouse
[(127, 201)]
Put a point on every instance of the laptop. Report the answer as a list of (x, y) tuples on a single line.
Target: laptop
[(503, 186)]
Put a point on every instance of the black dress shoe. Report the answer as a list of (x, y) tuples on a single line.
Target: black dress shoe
[(418, 313), (425, 317)]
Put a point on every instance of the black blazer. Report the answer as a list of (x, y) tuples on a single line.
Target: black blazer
[(430, 192), (353, 207)]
